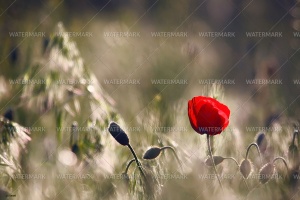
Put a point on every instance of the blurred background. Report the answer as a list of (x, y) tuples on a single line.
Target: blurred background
[(147, 56)]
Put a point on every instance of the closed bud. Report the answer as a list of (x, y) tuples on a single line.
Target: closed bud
[(293, 153), (74, 133), (217, 160), (14, 55), (9, 114), (262, 142), (45, 43), (4, 194), (266, 173), (246, 168), (75, 149), (119, 135), (152, 153), (293, 180), (126, 178)]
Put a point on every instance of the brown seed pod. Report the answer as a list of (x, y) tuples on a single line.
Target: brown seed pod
[(246, 168), (217, 160), (266, 173)]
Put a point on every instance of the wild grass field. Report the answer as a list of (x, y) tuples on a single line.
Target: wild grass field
[(110, 99)]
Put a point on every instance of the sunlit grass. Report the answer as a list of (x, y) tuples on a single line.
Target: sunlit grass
[(87, 163)]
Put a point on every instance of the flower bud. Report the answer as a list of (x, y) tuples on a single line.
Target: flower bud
[(217, 160), (119, 135), (9, 114), (266, 173), (75, 149), (14, 55), (262, 142), (293, 179), (74, 133), (246, 168), (126, 178), (4, 194), (152, 153), (293, 153)]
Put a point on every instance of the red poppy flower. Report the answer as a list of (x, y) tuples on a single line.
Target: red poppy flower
[(207, 115)]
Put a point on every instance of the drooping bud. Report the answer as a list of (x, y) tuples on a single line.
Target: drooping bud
[(75, 149), (125, 177), (293, 180), (293, 153), (4, 194), (266, 173), (217, 160), (246, 168), (119, 135), (152, 153), (262, 142), (74, 133), (14, 55), (9, 114)]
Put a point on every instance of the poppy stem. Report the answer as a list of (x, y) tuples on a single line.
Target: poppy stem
[(231, 158), (211, 157), (254, 144), (128, 165), (283, 160), (137, 161), (175, 154), (236, 162)]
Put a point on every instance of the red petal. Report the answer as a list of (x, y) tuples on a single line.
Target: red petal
[(208, 119), (192, 116), (207, 115)]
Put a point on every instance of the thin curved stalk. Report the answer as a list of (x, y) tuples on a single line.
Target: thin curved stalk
[(211, 157), (231, 158), (283, 160), (128, 165), (175, 154), (254, 144), (137, 161), (237, 164)]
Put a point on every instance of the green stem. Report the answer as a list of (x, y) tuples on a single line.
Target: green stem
[(254, 144), (128, 165), (137, 161), (211, 157), (175, 154)]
